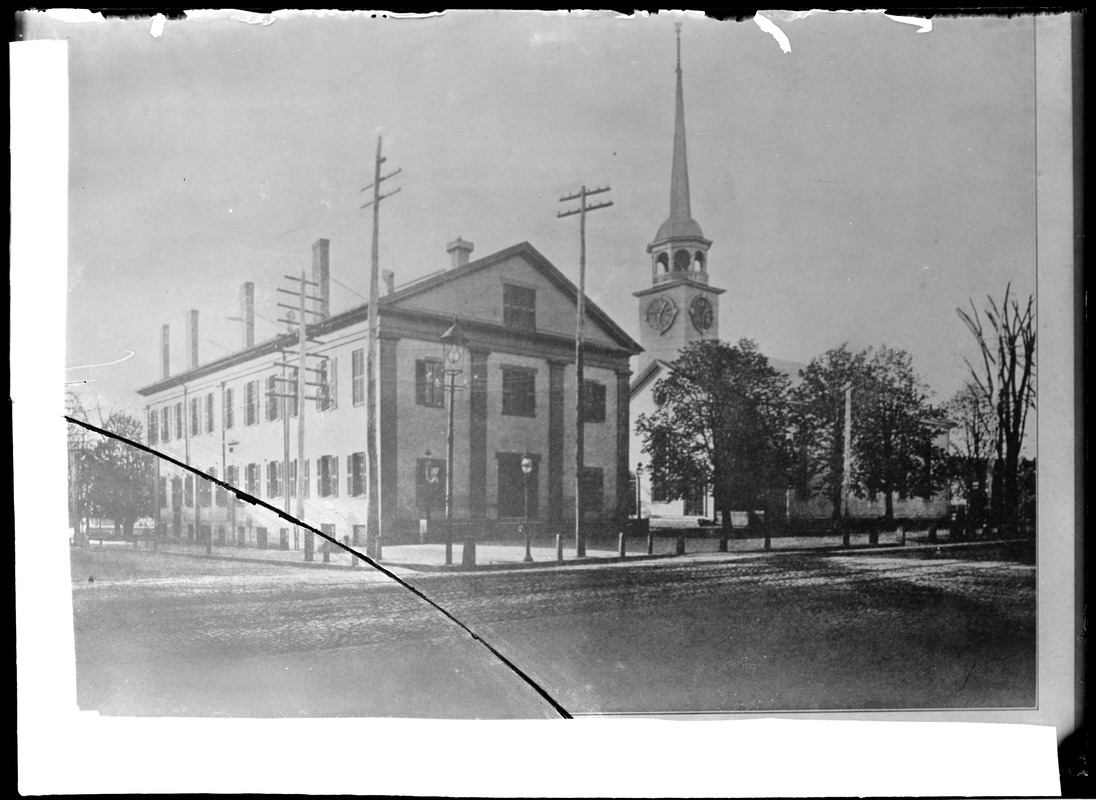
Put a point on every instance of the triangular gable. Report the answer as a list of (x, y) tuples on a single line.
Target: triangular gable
[(648, 376), (475, 291)]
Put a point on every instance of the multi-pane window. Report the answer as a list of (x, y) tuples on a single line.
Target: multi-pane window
[(251, 479), (272, 392), (195, 420), (251, 403), (220, 494), (228, 410), (430, 383), (357, 377), (519, 307), (165, 424), (430, 485), (289, 387), (293, 478), (153, 426), (327, 476), (274, 479), (176, 492), (355, 474), (329, 385), (209, 413), (188, 484), (232, 477), (305, 485), (519, 392), (593, 401), (179, 420), (205, 489), (162, 486)]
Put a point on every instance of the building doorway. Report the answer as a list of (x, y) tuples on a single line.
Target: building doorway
[(511, 498)]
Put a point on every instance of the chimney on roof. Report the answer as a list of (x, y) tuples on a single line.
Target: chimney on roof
[(165, 352), (459, 250), (247, 313), (192, 338), (389, 278), (321, 274)]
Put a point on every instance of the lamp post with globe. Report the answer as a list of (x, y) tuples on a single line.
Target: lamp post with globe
[(452, 343), (527, 468)]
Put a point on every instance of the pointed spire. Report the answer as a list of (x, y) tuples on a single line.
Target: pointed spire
[(679, 180), (680, 222)]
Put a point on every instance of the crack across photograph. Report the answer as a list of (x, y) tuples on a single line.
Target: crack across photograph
[(788, 468)]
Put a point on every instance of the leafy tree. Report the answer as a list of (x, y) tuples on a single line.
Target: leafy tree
[(721, 421), (893, 448), (121, 476), (1007, 381), (973, 442), (818, 403)]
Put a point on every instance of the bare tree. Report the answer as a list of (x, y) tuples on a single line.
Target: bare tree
[(1007, 380), (972, 447)]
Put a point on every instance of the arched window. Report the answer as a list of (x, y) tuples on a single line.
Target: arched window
[(682, 259), (663, 262), (698, 261)]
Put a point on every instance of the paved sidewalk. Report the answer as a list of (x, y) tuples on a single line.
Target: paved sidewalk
[(410, 558)]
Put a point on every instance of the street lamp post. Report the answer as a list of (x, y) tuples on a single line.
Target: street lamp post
[(527, 468), (639, 490), (431, 491), (452, 343)]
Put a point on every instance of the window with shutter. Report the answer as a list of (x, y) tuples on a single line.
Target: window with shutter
[(209, 413), (519, 307), (228, 409), (430, 383), (593, 401), (357, 377), (271, 398)]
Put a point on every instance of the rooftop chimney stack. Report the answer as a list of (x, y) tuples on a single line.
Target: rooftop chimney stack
[(165, 352), (247, 313), (321, 274), (459, 250), (192, 338), (389, 278)]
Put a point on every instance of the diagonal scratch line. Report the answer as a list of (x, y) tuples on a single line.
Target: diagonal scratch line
[(247, 498)]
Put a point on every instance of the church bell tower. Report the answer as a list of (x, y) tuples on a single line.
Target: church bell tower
[(679, 306)]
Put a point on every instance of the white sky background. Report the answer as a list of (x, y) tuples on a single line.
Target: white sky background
[(858, 188)]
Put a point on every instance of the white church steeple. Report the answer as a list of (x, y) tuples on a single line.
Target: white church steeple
[(679, 306)]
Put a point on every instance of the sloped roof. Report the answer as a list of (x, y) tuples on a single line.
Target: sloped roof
[(431, 282), (534, 258)]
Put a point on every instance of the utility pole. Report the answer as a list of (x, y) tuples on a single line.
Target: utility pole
[(303, 370), (372, 361), (580, 325)]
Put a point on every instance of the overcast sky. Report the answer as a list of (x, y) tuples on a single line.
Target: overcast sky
[(857, 188)]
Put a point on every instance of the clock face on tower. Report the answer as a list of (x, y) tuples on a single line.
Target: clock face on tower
[(661, 313), (700, 311)]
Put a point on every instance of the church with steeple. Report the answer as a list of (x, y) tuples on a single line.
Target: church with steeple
[(679, 306)]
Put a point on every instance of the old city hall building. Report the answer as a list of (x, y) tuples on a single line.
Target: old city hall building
[(515, 396)]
